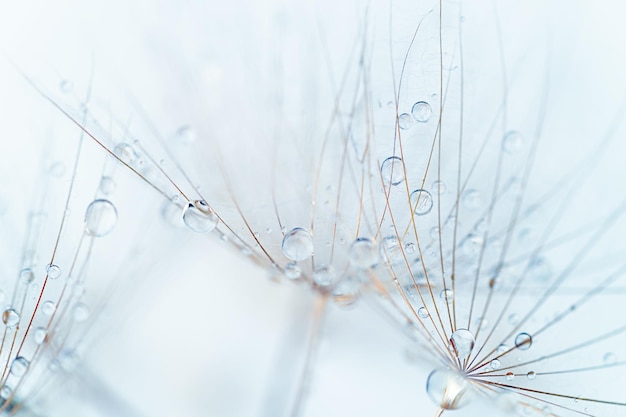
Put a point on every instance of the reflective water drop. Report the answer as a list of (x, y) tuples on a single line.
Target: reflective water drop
[(100, 218), (298, 244), (347, 291), (512, 142), (439, 187), (363, 253), (185, 135), (10, 317), (410, 248), (531, 375), (495, 364), (48, 308), (423, 312), (421, 111), (107, 185), (422, 202), (502, 348), (405, 121), (199, 217), (324, 275), (5, 392), (391, 249), (523, 341), (39, 335), (80, 312), (126, 153), (27, 275), (448, 389), (19, 366), (446, 295), (539, 269), (462, 343), (472, 199), (472, 244), (509, 376), (392, 171), (53, 271), (292, 270)]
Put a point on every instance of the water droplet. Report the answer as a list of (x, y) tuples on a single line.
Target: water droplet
[(472, 244), (324, 275), (392, 171), (512, 142), (27, 275), (405, 121), (448, 389), (462, 343), (509, 376), (126, 153), (513, 319), (609, 358), (347, 290), (391, 249), (410, 248), (199, 217), (5, 392), (531, 375), (66, 86), (422, 202), (292, 270), (446, 295), (502, 348), (10, 317), (472, 199), (19, 366), (185, 135), (298, 244), (523, 341), (421, 111), (107, 185), (423, 312), (100, 218), (80, 313), (495, 364), (539, 269), (439, 187), (57, 169), (363, 253), (48, 308), (39, 335), (53, 271)]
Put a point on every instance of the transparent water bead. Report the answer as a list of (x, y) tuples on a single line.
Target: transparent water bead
[(421, 111), (27, 275), (392, 171), (512, 142), (449, 389), (126, 153), (462, 343), (347, 291), (421, 201), (531, 375), (39, 335), (495, 364), (298, 244), (53, 271), (100, 218), (48, 308), (523, 341), (19, 366), (391, 249), (199, 217), (292, 270), (405, 121), (10, 317), (446, 295), (107, 185), (422, 312), (324, 275), (363, 253), (80, 312)]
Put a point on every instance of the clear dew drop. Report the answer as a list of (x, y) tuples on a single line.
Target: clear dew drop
[(405, 121), (363, 253), (19, 366), (462, 343), (523, 341), (293, 271), (502, 348), (324, 275), (392, 171), (39, 335), (66, 86), (495, 364), (472, 199), (531, 375), (126, 153), (27, 275), (347, 291), (5, 392), (421, 201), (10, 318), (422, 312), (448, 389), (199, 217), (53, 271), (80, 312), (48, 308), (446, 295), (439, 187), (107, 185), (410, 248), (512, 142), (298, 244), (509, 376), (391, 249), (421, 111), (100, 218)]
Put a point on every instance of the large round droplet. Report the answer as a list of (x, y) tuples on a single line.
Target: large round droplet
[(292, 270), (363, 253), (422, 202), (523, 341), (298, 244), (19, 366), (100, 218), (39, 335), (48, 308), (392, 171), (462, 343), (10, 317), (53, 271), (199, 217), (405, 121), (27, 275), (449, 389), (324, 276), (512, 142), (421, 111)]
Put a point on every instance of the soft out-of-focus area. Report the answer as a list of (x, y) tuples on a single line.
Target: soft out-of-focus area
[(193, 328)]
